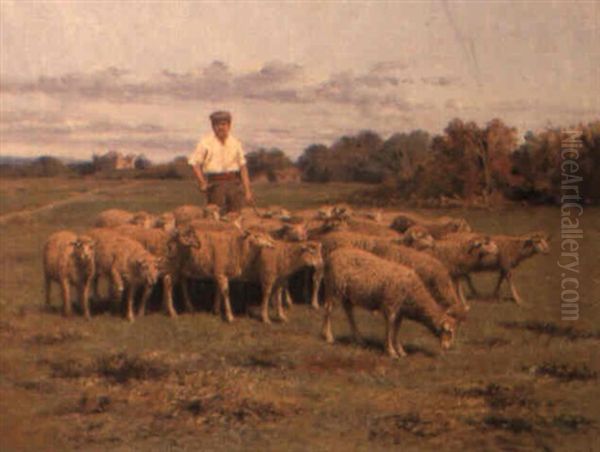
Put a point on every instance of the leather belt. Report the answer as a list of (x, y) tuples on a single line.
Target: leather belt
[(223, 177)]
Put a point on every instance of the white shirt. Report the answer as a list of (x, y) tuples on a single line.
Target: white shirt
[(216, 157)]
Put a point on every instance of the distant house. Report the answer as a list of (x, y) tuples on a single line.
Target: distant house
[(114, 160)]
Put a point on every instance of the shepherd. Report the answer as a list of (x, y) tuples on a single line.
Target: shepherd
[(220, 166)]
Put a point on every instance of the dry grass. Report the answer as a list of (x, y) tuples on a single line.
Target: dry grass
[(517, 378)]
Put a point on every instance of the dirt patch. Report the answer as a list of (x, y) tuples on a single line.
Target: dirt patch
[(121, 368), (335, 363), (220, 408), (490, 342), (499, 397), (512, 424), (563, 372), (394, 427), (55, 338), (552, 329), (118, 368)]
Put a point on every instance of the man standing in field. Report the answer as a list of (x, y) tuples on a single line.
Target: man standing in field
[(220, 166)]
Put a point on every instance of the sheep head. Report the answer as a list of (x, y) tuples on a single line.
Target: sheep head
[(418, 237), (258, 239), (447, 331), (143, 219), (147, 271), (536, 242), (311, 254)]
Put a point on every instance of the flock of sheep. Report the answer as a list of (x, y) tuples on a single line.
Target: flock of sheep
[(400, 264)]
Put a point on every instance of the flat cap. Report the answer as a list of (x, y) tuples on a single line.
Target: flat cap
[(220, 116)]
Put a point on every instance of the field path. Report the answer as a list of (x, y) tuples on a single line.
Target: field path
[(71, 199)]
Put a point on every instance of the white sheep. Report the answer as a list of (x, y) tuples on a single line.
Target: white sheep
[(431, 271), (512, 250), (221, 256), (437, 227), (127, 265), (69, 260), (277, 263), (357, 278)]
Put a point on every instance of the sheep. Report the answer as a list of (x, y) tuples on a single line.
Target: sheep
[(431, 271), (166, 222), (69, 259), (127, 264), (115, 217), (219, 255), (511, 252), (186, 213), (160, 244), (353, 225), (462, 253), (437, 227), (356, 277), (293, 230), (276, 264)]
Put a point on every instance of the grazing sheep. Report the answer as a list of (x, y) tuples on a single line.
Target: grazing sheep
[(431, 271), (462, 253), (69, 260), (356, 277), (127, 264), (276, 264), (186, 213), (221, 256), (437, 227), (362, 226), (115, 217), (511, 252)]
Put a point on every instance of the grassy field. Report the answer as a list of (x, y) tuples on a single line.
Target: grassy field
[(516, 379)]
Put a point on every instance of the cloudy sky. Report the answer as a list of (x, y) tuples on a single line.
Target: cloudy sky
[(80, 77)]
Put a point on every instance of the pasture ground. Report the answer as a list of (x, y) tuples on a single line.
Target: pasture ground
[(516, 379)]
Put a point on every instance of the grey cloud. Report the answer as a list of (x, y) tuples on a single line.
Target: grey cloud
[(275, 82)]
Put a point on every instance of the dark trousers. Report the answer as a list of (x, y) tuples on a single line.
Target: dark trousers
[(228, 195)]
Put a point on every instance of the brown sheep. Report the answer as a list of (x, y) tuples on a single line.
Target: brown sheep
[(512, 250), (69, 260), (358, 278)]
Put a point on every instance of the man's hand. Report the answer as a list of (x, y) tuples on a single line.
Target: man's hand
[(203, 186), (249, 197)]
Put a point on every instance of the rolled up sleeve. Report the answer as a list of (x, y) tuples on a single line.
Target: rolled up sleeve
[(198, 156), (241, 158)]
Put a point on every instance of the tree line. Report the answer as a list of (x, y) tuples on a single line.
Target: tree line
[(465, 162)]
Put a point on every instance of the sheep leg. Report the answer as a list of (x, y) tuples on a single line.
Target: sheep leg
[(168, 295), (472, 288), (267, 289), (390, 322), (223, 284), (513, 290), (185, 290), (348, 308), (144, 300), (64, 285), (498, 284), (285, 293), (85, 298), (317, 278), (461, 293), (398, 346), (326, 330), (117, 283), (129, 300), (278, 294)]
